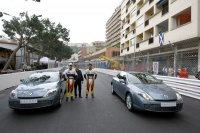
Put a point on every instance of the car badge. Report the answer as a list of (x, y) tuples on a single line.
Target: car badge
[(31, 93), (165, 96)]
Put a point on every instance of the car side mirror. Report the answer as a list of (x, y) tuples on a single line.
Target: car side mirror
[(122, 81), (21, 80)]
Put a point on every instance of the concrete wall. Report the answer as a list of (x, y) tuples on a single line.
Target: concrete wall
[(13, 79)]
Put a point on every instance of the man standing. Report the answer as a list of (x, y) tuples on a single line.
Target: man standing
[(198, 75), (79, 82), (90, 75), (70, 75)]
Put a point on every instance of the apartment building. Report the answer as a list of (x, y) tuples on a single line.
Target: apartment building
[(113, 28), (178, 20)]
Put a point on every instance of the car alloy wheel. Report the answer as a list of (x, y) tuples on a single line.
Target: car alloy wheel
[(129, 103), (112, 89)]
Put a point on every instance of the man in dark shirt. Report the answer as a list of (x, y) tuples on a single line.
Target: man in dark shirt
[(79, 82)]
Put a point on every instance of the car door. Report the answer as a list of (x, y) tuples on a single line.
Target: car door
[(116, 83), (122, 87)]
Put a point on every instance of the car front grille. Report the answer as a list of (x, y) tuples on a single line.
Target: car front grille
[(158, 108), (40, 104)]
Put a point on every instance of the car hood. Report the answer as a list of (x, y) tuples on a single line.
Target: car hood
[(30, 90), (158, 91)]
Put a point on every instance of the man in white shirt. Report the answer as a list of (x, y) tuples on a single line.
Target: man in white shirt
[(90, 75), (70, 75)]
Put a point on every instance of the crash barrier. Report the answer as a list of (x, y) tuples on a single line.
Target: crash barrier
[(187, 87), (13, 79)]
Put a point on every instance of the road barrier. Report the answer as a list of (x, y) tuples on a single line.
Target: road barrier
[(13, 79), (187, 87)]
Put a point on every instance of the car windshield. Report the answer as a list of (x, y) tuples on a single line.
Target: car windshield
[(43, 77), (142, 78)]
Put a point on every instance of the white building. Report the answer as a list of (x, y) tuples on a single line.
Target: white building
[(143, 20)]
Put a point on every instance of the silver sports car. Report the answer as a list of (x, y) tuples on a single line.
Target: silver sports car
[(40, 89), (143, 91)]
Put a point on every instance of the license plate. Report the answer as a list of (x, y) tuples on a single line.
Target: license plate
[(29, 101), (167, 104)]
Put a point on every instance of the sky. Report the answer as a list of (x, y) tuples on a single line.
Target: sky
[(86, 19)]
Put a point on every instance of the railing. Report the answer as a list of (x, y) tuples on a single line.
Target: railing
[(187, 87)]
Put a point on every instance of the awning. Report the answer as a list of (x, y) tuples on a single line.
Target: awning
[(161, 2), (8, 46)]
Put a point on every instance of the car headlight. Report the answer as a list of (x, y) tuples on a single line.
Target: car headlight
[(50, 93), (13, 94), (178, 96), (146, 96)]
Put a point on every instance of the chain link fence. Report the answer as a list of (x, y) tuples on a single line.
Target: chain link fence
[(165, 60)]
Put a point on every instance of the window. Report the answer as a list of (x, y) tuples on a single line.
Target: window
[(165, 8), (133, 12), (137, 45), (133, 41), (138, 78), (163, 27), (183, 18), (140, 21)]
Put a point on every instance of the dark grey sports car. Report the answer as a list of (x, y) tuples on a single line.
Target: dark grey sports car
[(143, 91), (40, 89)]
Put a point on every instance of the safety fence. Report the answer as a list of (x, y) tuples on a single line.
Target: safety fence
[(187, 87)]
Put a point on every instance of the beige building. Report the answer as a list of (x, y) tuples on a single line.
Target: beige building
[(178, 20), (113, 28)]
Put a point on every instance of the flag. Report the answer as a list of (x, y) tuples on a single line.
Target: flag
[(161, 38)]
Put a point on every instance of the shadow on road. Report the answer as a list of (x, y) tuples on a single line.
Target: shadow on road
[(41, 111)]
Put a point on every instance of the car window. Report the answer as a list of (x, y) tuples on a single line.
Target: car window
[(43, 77), (138, 78)]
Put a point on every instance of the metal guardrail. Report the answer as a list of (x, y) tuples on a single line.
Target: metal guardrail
[(187, 87)]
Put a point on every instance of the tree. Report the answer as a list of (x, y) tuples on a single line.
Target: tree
[(48, 35), (18, 29), (60, 51)]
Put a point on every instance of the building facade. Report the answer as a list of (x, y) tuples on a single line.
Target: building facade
[(165, 32), (113, 28)]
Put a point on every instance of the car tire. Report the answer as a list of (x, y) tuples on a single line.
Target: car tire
[(129, 102), (112, 90)]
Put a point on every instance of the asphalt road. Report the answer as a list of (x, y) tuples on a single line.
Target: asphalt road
[(104, 114)]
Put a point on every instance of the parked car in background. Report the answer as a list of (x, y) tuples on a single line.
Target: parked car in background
[(143, 91)]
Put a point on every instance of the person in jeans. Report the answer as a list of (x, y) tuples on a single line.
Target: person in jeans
[(79, 82)]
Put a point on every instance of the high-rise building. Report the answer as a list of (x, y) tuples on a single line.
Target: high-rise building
[(113, 28)]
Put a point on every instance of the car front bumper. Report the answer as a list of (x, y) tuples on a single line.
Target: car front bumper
[(41, 103), (155, 106)]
